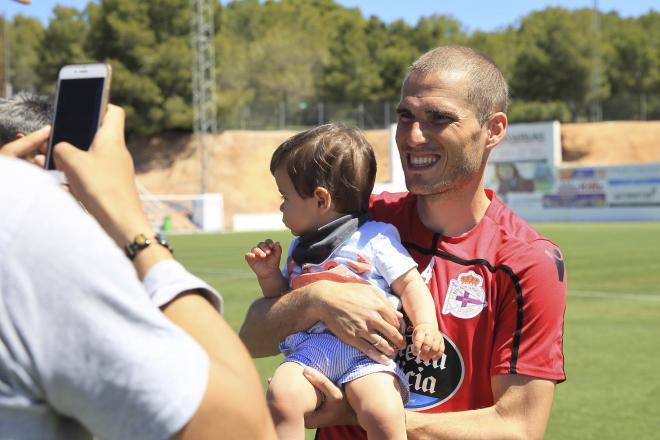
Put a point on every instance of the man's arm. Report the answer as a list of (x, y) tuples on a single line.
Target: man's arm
[(270, 320), (521, 411), (355, 313)]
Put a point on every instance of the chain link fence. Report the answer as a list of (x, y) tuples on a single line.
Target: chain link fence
[(282, 115)]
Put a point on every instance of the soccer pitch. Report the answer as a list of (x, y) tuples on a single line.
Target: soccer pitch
[(612, 328)]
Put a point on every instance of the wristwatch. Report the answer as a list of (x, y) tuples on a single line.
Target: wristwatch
[(141, 242)]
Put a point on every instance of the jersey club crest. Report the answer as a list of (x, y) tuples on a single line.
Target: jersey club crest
[(466, 297)]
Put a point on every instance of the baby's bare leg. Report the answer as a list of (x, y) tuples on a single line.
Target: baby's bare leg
[(290, 397), (378, 405)]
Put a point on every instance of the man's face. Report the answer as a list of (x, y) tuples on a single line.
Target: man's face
[(440, 140)]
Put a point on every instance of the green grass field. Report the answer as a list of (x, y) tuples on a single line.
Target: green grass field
[(612, 330)]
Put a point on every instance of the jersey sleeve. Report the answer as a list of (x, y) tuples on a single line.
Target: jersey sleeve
[(390, 258), (530, 314), (95, 347)]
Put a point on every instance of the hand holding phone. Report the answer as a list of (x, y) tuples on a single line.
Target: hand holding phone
[(103, 180), (80, 103)]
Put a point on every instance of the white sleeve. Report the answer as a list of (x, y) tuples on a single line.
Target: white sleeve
[(168, 278), (99, 351), (390, 258)]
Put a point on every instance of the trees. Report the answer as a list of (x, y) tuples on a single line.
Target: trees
[(350, 73), (25, 38), (553, 62), (148, 45), (62, 43), (437, 30), (283, 54)]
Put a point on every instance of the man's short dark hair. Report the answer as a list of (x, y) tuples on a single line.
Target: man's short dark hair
[(332, 156), (23, 113), (487, 89)]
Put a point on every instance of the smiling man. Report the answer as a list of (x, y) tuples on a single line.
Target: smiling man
[(499, 287)]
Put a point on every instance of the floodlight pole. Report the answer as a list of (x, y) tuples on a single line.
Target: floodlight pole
[(203, 79), (596, 108)]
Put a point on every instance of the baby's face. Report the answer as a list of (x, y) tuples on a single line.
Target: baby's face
[(300, 215)]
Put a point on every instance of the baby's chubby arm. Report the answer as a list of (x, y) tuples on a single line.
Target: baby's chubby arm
[(264, 260), (428, 342)]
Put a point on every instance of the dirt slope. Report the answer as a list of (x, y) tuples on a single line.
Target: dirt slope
[(609, 143), (238, 165)]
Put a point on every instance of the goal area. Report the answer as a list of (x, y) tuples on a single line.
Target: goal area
[(184, 213)]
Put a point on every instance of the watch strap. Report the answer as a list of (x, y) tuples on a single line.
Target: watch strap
[(141, 242)]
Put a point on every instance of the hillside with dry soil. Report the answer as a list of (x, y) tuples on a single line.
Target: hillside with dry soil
[(238, 161)]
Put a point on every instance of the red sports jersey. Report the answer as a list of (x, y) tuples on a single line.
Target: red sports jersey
[(500, 295)]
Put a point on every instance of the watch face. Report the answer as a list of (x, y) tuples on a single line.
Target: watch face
[(141, 240)]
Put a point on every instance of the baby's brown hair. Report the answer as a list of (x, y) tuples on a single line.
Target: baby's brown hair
[(335, 157)]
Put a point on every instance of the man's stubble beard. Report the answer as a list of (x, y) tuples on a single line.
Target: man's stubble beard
[(461, 173)]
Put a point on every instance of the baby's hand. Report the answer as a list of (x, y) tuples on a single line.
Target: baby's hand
[(428, 342), (264, 258)]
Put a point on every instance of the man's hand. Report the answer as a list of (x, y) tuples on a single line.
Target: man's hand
[(264, 258), (25, 147), (428, 343), (360, 316), (334, 410)]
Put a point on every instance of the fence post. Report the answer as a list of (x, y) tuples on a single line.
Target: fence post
[(282, 115), (642, 106), (386, 114), (241, 118), (360, 115), (320, 112)]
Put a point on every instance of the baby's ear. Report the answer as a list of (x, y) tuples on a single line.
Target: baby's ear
[(323, 198)]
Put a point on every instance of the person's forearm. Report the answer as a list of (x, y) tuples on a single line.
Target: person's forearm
[(521, 411), (480, 424), (231, 373), (270, 320)]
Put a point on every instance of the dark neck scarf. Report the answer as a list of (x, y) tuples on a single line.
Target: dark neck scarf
[(314, 247)]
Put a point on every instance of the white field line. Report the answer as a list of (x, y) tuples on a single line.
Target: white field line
[(613, 295)]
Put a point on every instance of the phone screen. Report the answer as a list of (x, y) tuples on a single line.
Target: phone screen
[(77, 113)]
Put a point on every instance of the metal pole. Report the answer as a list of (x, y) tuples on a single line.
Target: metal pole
[(596, 108), (203, 77), (360, 114), (282, 115), (320, 112), (386, 114), (642, 107)]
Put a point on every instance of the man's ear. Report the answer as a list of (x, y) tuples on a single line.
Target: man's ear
[(496, 126), (19, 135), (323, 198)]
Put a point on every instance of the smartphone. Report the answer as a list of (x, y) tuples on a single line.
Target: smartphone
[(80, 103)]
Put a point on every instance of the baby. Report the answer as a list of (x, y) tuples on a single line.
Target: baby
[(325, 176)]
